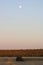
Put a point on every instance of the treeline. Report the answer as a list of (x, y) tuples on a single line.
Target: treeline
[(23, 53)]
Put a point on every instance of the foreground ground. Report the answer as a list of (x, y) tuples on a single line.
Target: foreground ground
[(11, 61)]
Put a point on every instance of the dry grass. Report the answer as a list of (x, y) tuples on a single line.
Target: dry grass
[(29, 52)]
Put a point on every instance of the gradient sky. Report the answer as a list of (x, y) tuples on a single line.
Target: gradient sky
[(21, 28)]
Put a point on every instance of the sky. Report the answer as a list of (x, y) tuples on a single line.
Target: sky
[(21, 24)]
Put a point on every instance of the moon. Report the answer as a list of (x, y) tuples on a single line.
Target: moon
[(20, 6)]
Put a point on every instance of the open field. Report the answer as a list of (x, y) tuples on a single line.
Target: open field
[(24, 53)]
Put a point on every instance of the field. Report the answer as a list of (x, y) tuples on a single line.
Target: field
[(24, 53)]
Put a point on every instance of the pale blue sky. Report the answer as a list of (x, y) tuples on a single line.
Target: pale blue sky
[(21, 28)]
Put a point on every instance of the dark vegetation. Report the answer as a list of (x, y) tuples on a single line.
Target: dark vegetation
[(23, 53), (19, 58)]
